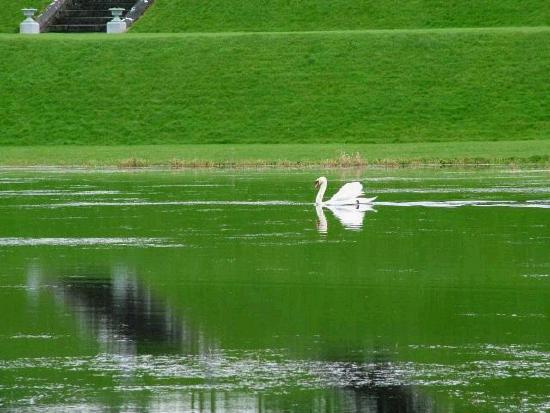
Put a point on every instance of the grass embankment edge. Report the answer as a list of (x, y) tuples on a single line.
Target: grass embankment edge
[(504, 153)]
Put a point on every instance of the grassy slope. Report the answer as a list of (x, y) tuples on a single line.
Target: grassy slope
[(356, 87), (518, 152), (299, 15), (10, 13)]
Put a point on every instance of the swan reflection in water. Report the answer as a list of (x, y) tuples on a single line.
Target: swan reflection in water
[(350, 216)]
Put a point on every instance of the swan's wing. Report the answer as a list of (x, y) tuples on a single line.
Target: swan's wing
[(351, 217), (349, 191)]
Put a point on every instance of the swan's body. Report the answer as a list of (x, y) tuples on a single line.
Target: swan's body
[(350, 194)]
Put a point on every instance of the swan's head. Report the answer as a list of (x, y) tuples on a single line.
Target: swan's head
[(320, 181)]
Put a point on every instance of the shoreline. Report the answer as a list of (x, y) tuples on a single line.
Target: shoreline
[(394, 155)]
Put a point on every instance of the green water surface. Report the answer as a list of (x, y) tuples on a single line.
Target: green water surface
[(227, 291)]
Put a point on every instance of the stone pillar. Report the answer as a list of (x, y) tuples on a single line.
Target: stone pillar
[(117, 25), (29, 26)]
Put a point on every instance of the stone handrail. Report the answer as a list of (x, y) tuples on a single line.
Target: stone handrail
[(136, 11), (49, 12)]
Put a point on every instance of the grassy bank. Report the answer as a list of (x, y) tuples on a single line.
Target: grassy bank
[(298, 15), (285, 15), (319, 87), (11, 16), (327, 155)]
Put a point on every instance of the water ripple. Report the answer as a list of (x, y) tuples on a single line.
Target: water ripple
[(427, 204), (73, 242), (268, 370), (45, 192)]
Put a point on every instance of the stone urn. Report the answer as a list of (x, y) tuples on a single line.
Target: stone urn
[(28, 13), (29, 26), (117, 25), (116, 12)]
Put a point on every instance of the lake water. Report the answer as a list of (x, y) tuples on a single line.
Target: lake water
[(227, 291)]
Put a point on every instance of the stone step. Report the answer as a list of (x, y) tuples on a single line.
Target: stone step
[(104, 3), (76, 28), (101, 5), (87, 15), (82, 20), (84, 13)]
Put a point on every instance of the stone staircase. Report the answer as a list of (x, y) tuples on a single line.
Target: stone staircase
[(85, 16)]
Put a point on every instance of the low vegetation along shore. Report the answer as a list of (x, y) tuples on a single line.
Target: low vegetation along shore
[(509, 153)]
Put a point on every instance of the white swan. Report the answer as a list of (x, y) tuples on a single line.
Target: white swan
[(350, 194)]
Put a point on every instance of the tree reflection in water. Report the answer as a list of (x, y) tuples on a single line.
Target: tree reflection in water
[(129, 323), (124, 315)]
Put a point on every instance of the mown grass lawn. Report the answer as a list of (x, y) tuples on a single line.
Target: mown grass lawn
[(299, 15), (318, 87)]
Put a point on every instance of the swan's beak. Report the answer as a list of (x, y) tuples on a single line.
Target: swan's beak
[(317, 185)]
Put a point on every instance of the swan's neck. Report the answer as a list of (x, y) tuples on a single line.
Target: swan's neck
[(321, 193), (322, 225)]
